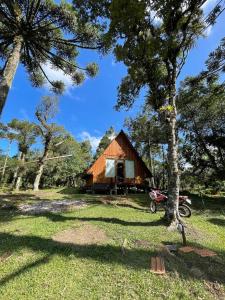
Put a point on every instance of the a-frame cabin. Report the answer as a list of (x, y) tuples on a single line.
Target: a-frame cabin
[(118, 166)]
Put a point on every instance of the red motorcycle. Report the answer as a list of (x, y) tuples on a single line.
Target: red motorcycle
[(159, 199)]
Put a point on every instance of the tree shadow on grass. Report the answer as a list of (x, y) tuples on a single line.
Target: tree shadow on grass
[(108, 254), (206, 204), (212, 269), (22, 270), (61, 218), (217, 221)]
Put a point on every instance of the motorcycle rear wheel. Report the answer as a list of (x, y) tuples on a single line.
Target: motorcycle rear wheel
[(152, 207), (184, 211)]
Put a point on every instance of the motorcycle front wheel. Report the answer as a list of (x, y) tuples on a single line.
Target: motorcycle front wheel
[(152, 207), (184, 211)]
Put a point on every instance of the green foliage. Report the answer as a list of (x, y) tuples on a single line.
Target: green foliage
[(149, 137), (24, 132), (105, 141), (204, 146), (51, 33), (146, 34)]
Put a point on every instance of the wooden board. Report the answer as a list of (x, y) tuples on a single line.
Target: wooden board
[(157, 265), (201, 252)]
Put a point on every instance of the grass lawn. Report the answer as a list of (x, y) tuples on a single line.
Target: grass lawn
[(41, 267)]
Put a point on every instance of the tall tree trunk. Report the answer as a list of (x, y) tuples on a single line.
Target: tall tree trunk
[(151, 164), (163, 171), (9, 71), (19, 178), (41, 166), (172, 213), (15, 174), (173, 180), (5, 162), (38, 176)]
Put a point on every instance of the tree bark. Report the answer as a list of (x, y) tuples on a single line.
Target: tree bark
[(38, 176), (5, 162), (9, 71), (16, 170), (151, 164), (41, 166), (163, 168), (172, 212), (19, 178)]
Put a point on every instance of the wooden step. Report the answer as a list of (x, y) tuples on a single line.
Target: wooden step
[(157, 265)]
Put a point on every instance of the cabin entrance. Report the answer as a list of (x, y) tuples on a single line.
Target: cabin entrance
[(120, 170)]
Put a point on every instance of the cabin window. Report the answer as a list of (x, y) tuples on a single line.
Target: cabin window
[(129, 167), (110, 168)]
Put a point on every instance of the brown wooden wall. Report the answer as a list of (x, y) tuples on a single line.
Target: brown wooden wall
[(120, 148)]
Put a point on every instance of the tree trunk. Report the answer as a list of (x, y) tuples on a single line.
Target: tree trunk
[(41, 166), (152, 180), (19, 178), (9, 71), (38, 176), (5, 162), (16, 170), (172, 212), (163, 170), (18, 183)]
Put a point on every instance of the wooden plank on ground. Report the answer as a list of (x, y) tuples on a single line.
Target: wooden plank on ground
[(157, 265)]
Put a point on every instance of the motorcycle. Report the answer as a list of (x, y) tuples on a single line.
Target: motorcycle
[(159, 199)]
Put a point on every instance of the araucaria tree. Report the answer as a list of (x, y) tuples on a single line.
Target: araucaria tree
[(37, 32), (153, 39)]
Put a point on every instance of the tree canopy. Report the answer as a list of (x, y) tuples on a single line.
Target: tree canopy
[(39, 32)]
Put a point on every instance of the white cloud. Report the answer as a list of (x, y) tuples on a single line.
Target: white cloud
[(94, 140), (54, 75), (208, 30), (208, 4)]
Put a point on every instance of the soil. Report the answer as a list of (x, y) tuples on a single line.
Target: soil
[(215, 289), (142, 243), (84, 235), (51, 206)]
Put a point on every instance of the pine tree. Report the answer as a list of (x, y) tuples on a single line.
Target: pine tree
[(37, 32), (105, 141)]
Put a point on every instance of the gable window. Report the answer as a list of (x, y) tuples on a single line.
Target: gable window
[(110, 168), (129, 168)]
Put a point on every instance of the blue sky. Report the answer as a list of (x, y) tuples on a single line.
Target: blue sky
[(87, 111)]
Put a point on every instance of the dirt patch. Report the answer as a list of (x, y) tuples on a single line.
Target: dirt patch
[(142, 243), (84, 235), (51, 206), (215, 289)]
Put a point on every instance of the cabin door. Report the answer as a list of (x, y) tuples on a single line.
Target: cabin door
[(120, 171)]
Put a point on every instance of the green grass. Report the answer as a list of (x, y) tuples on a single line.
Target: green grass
[(41, 268)]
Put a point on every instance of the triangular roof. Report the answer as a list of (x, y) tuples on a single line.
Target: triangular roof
[(123, 134)]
